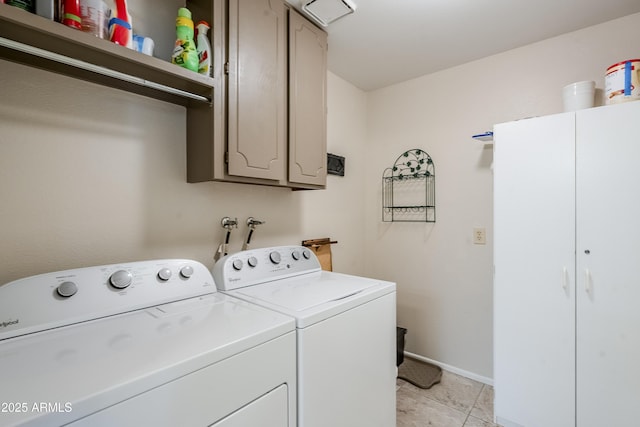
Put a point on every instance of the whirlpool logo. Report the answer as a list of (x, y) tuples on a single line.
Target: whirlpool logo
[(9, 322)]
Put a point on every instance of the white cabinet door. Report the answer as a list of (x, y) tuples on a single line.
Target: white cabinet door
[(534, 258), (608, 292)]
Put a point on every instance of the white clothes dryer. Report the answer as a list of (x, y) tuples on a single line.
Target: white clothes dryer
[(346, 332), (141, 344)]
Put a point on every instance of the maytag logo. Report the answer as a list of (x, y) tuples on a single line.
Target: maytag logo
[(9, 323)]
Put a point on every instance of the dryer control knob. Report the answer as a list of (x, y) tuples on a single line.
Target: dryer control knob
[(295, 255), (164, 274), (67, 289), (186, 271), (252, 261), (121, 279), (306, 254), (275, 257), (237, 264)]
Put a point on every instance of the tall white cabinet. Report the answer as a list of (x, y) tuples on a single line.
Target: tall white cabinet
[(566, 286)]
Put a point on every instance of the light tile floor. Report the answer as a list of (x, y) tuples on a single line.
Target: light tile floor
[(455, 402)]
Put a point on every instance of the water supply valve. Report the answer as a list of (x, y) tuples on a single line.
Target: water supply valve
[(252, 223)]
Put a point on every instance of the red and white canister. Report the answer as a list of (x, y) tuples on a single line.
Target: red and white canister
[(622, 82)]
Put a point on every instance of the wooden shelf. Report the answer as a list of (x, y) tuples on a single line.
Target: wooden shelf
[(97, 60)]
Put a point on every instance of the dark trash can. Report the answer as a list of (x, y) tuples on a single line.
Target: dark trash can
[(400, 333)]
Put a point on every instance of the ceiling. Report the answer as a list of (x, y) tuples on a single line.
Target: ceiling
[(389, 41)]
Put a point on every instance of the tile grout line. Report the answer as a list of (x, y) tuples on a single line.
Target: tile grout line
[(474, 405), (451, 405), (428, 397)]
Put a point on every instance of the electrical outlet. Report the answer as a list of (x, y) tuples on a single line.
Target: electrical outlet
[(479, 236)]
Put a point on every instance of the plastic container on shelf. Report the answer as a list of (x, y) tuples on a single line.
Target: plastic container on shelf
[(622, 82), (578, 95), (27, 5), (47, 9), (71, 14), (203, 47), (143, 44), (184, 52), (95, 16), (120, 28)]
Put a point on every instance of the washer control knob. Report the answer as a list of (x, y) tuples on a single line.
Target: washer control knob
[(121, 279), (164, 274), (252, 261), (306, 254), (275, 257), (295, 255), (186, 271), (237, 264), (67, 289)]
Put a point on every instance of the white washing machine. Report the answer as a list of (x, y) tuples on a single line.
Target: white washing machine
[(141, 344), (346, 332)]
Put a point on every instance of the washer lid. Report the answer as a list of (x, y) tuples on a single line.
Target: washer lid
[(307, 293), (88, 366), (315, 296)]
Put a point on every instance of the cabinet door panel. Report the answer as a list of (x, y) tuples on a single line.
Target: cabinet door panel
[(534, 258), (608, 294), (307, 101), (256, 89)]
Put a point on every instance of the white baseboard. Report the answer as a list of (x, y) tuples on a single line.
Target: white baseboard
[(462, 372)]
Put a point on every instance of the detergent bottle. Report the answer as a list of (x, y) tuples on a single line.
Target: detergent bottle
[(184, 52), (120, 30), (203, 48), (71, 17)]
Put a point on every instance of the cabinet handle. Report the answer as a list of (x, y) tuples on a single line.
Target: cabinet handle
[(565, 279), (587, 281)]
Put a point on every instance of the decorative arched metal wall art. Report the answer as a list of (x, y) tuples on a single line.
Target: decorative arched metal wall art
[(409, 189)]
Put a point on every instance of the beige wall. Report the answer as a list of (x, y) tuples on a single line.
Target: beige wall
[(90, 175), (444, 280)]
